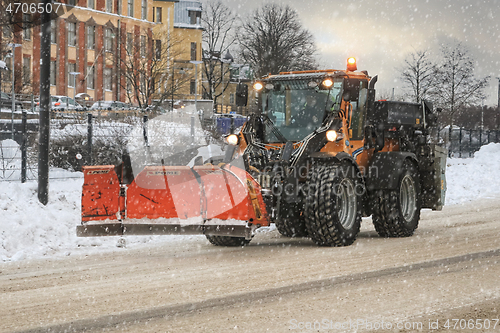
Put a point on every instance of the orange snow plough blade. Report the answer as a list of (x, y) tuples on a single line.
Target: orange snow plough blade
[(172, 200)]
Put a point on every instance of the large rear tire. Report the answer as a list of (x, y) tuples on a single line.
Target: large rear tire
[(396, 212), (228, 240), (333, 208), (290, 223)]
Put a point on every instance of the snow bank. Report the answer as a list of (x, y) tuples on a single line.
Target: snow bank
[(30, 230), (474, 178)]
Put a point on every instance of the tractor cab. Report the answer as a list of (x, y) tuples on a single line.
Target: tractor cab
[(299, 103)]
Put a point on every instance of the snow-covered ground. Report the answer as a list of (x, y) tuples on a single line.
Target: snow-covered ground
[(30, 230)]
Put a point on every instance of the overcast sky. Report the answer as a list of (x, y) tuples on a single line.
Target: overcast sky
[(380, 34)]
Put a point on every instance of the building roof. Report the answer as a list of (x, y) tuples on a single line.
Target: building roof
[(181, 13)]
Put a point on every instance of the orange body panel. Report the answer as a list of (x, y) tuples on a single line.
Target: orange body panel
[(166, 192), (207, 192), (100, 193)]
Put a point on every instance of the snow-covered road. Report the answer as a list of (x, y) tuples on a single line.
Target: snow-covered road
[(451, 263)]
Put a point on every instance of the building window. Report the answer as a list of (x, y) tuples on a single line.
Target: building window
[(143, 46), (71, 77), (90, 37), (53, 73), (53, 32), (158, 49), (144, 10), (90, 77), (108, 40), (130, 8), (107, 78), (91, 4), (26, 27), (194, 17), (129, 43), (158, 13), (192, 87), (231, 98), (72, 2), (26, 70), (109, 6), (71, 26), (193, 51)]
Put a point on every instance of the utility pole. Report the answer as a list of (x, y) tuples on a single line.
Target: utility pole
[(13, 92), (44, 119), (498, 103)]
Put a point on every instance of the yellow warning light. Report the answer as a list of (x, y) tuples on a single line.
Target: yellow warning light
[(351, 64)]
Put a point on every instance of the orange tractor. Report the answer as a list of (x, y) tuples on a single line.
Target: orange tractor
[(318, 155)]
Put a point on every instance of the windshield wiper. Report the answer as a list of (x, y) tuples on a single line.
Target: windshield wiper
[(274, 129)]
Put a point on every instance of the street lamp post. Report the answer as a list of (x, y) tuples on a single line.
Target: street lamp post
[(228, 58), (13, 45), (181, 71), (196, 63), (74, 85)]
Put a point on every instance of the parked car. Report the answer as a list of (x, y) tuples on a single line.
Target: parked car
[(110, 105), (6, 102), (155, 108), (64, 103)]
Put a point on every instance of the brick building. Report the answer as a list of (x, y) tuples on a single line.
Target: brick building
[(95, 38)]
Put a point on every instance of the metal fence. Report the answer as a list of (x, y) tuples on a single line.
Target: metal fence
[(465, 142), (78, 139)]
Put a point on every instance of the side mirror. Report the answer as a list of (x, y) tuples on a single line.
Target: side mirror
[(241, 94)]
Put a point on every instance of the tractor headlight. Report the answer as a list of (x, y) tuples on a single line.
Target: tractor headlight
[(331, 135), (327, 83), (258, 86), (232, 139)]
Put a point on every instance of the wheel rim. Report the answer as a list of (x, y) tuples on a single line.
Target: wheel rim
[(408, 198), (347, 204)]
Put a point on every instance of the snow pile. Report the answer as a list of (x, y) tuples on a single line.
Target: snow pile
[(30, 230), (10, 160), (474, 178)]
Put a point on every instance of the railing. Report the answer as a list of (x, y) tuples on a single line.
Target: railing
[(78, 138), (465, 142)]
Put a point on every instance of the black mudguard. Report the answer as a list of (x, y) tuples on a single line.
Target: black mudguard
[(385, 169)]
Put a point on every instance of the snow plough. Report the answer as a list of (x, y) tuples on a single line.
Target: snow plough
[(319, 153)]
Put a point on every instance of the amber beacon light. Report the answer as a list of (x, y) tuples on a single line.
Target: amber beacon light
[(351, 64)]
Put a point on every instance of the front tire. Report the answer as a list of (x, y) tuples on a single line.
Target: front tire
[(396, 212), (290, 222), (334, 209)]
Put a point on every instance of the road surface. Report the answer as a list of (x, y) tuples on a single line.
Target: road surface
[(448, 270)]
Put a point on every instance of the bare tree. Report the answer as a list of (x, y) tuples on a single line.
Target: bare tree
[(148, 69), (273, 40), (457, 87), (218, 25), (420, 74)]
